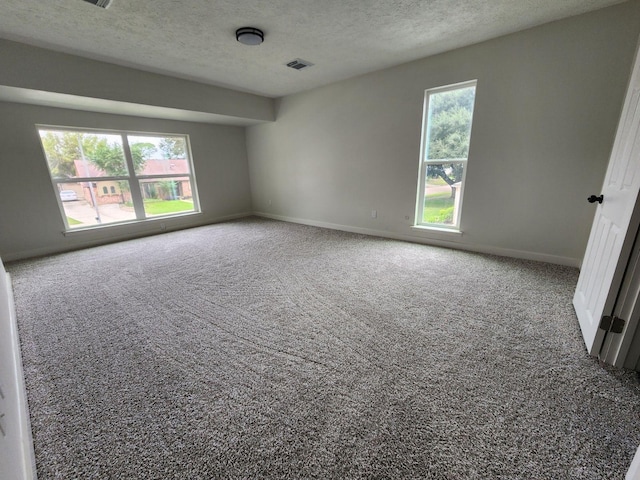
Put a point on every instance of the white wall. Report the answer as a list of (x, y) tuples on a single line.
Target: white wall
[(24, 65), (30, 221), (547, 104)]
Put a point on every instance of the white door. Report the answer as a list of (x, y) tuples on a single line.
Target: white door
[(622, 349), (607, 252)]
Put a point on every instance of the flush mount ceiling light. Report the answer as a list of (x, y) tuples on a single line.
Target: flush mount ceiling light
[(250, 36)]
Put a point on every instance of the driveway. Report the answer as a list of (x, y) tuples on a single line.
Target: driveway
[(83, 212)]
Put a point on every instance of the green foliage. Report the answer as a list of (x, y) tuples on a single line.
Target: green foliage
[(63, 148), (438, 210), (449, 135), (140, 152), (107, 157), (451, 100), (449, 172), (173, 147), (123, 185), (445, 216), (149, 190), (450, 115), (161, 207), (168, 189)]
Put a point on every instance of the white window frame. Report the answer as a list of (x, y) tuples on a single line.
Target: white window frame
[(424, 163), (131, 178)]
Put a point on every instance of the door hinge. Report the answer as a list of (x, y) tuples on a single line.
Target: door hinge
[(612, 324)]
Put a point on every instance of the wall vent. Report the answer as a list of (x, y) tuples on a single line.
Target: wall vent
[(99, 3), (299, 64)]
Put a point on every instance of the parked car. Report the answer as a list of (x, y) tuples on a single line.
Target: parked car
[(68, 195)]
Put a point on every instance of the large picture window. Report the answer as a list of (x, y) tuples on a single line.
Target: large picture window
[(448, 115), (106, 177)]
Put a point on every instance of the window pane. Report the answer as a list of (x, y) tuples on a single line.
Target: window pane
[(85, 203), (80, 154), (442, 194), (81, 161), (158, 155), (446, 137), (164, 196), (449, 124)]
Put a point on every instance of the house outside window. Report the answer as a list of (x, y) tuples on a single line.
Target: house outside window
[(448, 116), (106, 177)]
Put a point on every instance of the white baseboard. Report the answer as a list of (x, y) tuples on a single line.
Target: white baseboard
[(434, 238), (439, 242), (116, 233)]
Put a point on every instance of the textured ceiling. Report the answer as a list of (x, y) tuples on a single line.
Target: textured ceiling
[(195, 39)]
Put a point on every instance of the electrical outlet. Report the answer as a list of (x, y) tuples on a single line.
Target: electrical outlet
[(374, 214), (269, 202), (163, 227)]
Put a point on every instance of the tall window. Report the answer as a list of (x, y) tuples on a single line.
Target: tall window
[(448, 114), (113, 177)]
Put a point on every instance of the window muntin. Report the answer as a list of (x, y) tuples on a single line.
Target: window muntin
[(90, 171), (448, 116)]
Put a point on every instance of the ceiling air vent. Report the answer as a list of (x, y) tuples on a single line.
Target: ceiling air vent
[(99, 3), (299, 64)]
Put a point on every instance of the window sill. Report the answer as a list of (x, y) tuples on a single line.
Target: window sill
[(126, 224), (424, 228)]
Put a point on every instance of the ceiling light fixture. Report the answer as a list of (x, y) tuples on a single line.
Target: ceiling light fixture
[(250, 36)]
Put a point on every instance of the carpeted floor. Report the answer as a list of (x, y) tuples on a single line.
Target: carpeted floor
[(261, 349)]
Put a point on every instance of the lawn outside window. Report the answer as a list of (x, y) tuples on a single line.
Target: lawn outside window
[(446, 133), (112, 177)]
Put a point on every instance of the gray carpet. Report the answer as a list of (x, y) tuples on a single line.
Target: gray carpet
[(261, 349)]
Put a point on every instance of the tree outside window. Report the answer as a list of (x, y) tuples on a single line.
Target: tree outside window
[(445, 146), (114, 177)]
